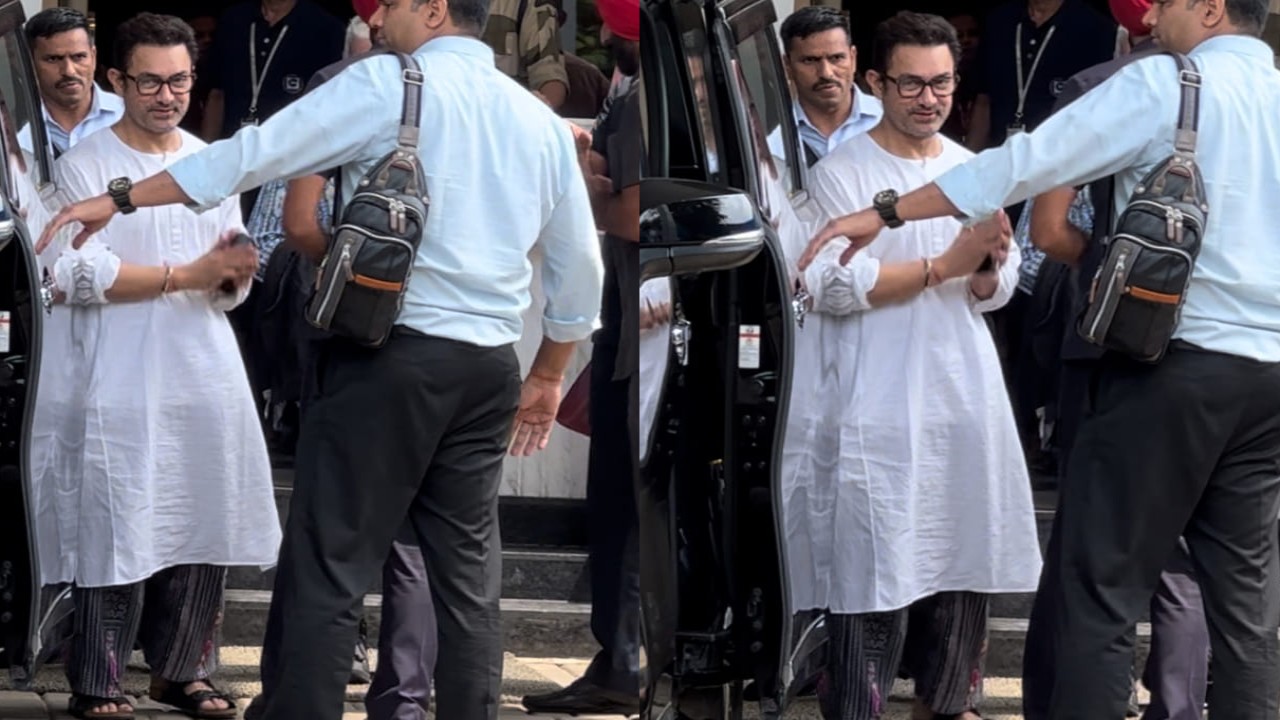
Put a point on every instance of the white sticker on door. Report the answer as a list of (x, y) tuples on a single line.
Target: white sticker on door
[(749, 347)]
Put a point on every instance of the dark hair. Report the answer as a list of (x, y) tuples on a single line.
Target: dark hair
[(154, 30), (55, 21), (910, 28), (1248, 15), (466, 14), (812, 20)]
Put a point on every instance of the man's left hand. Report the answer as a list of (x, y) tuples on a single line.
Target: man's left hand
[(539, 403), (92, 214)]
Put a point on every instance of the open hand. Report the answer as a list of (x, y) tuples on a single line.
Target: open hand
[(539, 403), (859, 229), (92, 214)]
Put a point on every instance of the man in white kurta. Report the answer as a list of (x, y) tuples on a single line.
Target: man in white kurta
[(905, 489), (151, 471)]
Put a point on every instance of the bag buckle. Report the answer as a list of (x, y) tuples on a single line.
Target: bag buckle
[(413, 77), (1189, 78)]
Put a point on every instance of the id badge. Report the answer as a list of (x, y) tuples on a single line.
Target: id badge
[(1014, 129)]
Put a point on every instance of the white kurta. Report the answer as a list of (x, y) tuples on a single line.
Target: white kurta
[(902, 471), (147, 450), (655, 347)]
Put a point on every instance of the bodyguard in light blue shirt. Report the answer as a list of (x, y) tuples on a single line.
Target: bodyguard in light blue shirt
[(821, 62), (410, 438), (1189, 445), (65, 60)]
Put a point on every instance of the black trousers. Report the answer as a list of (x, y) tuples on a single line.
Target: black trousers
[(1188, 447), (416, 431), (1177, 666), (613, 528)]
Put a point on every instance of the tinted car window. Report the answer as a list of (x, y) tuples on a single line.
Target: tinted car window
[(18, 110)]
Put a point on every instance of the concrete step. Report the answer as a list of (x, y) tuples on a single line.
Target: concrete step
[(546, 628), (526, 575)]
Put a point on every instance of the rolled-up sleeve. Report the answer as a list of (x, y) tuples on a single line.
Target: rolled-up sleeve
[(841, 289), (1110, 128), (572, 271), (84, 276), (326, 128)]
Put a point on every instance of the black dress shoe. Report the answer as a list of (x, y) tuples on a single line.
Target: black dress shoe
[(584, 698)]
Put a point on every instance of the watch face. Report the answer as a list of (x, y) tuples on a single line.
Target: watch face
[(886, 197), (119, 185)]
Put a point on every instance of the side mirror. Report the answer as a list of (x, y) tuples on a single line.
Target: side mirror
[(690, 227)]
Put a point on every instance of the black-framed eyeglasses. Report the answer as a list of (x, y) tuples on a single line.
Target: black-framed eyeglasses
[(179, 84), (910, 86)]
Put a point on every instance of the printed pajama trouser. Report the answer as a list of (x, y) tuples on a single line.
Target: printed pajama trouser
[(943, 652), (175, 614)]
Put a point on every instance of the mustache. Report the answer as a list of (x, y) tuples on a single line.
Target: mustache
[(821, 84), (68, 80)]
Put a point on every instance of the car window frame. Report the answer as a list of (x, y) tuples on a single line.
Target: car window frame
[(757, 20), (12, 20)]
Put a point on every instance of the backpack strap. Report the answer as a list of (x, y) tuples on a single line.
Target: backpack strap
[(411, 115), (1189, 109)]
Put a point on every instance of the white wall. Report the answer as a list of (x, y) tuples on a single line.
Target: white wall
[(560, 471), (31, 7)]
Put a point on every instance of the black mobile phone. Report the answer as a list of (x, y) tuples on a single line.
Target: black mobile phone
[(240, 239)]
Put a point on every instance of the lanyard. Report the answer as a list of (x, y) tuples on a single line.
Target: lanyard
[(1024, 84), (259, 80)]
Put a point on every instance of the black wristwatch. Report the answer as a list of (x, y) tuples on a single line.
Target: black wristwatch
[(886, 203), (119, 190)]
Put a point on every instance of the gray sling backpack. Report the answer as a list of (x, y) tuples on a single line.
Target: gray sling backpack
[(1138, 292), (361, 283)]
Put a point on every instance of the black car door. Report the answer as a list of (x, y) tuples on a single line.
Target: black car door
[(715, 603), (28, 615)]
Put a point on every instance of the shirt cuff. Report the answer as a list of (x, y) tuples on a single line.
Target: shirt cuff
[(566, 331), (191, 174), (963, 187)]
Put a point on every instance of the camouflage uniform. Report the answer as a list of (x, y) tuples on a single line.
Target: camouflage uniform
[(529, 50)]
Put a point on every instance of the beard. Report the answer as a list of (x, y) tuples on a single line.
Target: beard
[(626, 55)]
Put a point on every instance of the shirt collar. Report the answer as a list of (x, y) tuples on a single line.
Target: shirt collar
[(858, 112), (1237, 45), (103, 103), (458, 45)]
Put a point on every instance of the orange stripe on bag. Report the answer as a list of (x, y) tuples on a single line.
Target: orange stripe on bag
[(1152, 296), (376, 284)]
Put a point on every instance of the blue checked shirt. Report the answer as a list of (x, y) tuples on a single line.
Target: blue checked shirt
[(1080, 215)]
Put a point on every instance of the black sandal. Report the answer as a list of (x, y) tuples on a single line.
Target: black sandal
[(189, 703), (82, 706)]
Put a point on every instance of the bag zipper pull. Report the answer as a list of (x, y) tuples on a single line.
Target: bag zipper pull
[(345, 261)]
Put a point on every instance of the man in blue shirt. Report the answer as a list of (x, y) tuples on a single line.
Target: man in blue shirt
[(416, 430), (1188, 446), (65, 60), (821, 62)]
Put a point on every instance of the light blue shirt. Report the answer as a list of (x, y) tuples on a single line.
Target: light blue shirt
[(866, 113), (502, 174), (1126, 126), (105, 110)]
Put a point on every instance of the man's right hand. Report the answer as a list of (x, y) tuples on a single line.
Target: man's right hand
[(236, 263), (974, 245)]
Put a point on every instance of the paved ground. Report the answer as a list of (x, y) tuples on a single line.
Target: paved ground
[(521, 675)]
